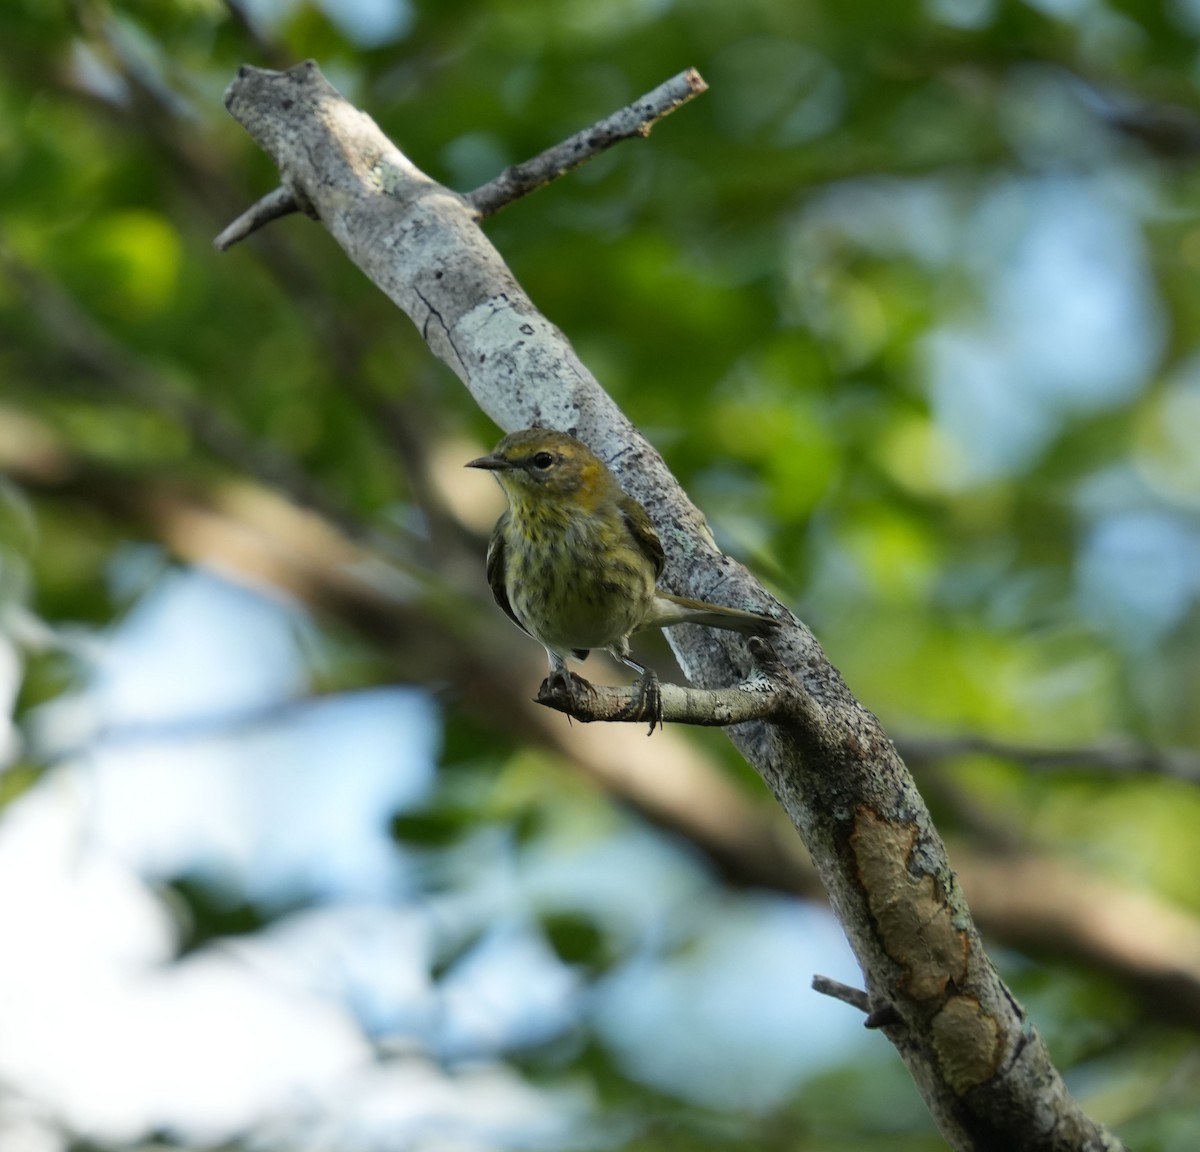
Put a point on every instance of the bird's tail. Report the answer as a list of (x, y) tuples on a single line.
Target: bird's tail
[(669, 609)]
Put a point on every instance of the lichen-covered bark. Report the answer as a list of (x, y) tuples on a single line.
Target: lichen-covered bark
[(982, 1069)]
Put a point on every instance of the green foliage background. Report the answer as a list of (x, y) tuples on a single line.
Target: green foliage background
[(762, 286)]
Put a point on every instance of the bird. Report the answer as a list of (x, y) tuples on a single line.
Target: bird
[(574, 560)]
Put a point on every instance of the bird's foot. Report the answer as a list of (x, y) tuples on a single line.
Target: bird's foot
[(564, 687), (568, 693), (648, 704)]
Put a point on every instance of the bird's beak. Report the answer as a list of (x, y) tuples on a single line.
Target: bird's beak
[(490, 464)]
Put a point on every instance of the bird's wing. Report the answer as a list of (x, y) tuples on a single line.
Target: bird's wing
[(495, 571), (642, 530)]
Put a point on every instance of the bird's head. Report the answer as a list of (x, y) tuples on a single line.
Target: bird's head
[(538, 465)]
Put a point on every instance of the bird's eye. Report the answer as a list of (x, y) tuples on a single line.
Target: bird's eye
[(543, 460)]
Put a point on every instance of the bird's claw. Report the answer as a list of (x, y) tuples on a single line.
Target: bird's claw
[(564, 689), (564, 685), (648, 704)]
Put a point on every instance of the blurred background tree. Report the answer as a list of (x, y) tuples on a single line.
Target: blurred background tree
[(286, 858)]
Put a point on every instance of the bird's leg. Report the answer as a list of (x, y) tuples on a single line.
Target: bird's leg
[(649, 697), (560, 677)]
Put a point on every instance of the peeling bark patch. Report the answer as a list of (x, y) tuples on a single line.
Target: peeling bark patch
[(915, 924), (968, 1044)]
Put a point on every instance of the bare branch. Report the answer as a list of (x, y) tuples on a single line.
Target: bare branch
[(272, 206), (881, 1016), (769, 692), (635, 119), (1113, 758), (755, 698), (983, 1070), (855, 997)]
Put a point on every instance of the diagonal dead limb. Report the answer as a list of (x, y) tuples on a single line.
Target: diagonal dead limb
[(984, 1072)]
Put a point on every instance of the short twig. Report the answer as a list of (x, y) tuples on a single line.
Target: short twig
[(878, 1016), (847, 994), (272, 206), (634, 120)]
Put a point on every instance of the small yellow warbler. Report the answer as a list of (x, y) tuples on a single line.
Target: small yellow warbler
[(575, 559)]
